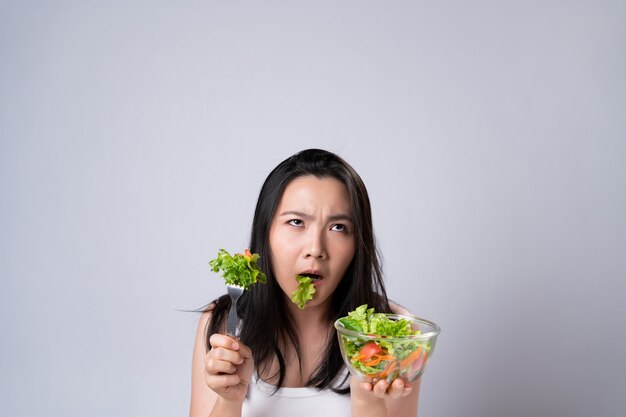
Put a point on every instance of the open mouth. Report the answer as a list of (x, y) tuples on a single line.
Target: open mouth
[(314, 277)]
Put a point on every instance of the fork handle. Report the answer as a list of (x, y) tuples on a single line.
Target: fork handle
[(232, 320)]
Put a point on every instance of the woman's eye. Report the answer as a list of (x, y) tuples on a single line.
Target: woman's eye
[(339, 228), (296, 222)]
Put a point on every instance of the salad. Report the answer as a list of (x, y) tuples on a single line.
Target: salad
[(305, 291), (385, 350), (241, 269)]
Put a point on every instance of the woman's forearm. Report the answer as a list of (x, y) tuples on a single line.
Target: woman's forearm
[(369, 407), (365, 404), (225, 408)]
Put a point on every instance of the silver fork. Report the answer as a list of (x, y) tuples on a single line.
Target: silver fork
[(235, 291)]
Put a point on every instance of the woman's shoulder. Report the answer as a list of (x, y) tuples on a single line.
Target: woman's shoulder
[(205, 319), (398, 309), (213, 315)]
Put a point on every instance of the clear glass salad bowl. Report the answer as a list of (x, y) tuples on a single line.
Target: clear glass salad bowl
[(372, 357)]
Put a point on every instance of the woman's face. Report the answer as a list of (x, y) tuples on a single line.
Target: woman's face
[(312, 234)]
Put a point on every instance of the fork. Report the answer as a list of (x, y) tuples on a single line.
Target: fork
[(234, 291)]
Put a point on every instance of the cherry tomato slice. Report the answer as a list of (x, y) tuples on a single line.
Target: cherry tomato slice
[(369, 350)]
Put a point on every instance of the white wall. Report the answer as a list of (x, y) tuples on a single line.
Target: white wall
[(135, 137)]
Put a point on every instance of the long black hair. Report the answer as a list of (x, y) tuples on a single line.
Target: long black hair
[(266, 320)]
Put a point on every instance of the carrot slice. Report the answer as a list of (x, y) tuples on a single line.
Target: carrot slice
[(378, 359), (383, 374), (409, 359)]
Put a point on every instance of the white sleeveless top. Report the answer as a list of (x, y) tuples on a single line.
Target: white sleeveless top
[(293, 402), (299, 402)]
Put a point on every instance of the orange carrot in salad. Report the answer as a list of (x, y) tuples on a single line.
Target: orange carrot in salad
[(378, 359), (409, 359), (383, 374)]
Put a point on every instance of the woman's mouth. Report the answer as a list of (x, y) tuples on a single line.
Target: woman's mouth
[(315, 277)]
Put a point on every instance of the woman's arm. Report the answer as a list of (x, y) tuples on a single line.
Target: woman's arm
[(219, 377), (398, 400), (407, 405), (203, 398)]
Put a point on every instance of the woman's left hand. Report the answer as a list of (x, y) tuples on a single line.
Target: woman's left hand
[(381, 389), (382, 399)]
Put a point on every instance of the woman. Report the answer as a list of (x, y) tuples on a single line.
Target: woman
[(312, 218)]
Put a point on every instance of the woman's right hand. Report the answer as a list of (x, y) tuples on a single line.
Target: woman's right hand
[(228, 368)]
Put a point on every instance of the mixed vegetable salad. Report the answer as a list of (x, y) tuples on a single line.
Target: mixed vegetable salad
[(241, 269), (391, 354)]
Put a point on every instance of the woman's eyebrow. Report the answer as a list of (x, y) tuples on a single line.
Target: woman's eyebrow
[(337, 217), (295, 213), (332, 218)]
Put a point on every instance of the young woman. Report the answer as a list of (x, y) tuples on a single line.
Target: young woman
[(312, 217)]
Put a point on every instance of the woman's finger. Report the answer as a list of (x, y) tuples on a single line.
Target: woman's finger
[(221, 340), (244, 351), (226, 342), (380, 388), (233, 356), (216, 366), (398, 389), (222, 382)]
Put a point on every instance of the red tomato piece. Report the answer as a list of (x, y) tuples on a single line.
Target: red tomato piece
[(369, 350)]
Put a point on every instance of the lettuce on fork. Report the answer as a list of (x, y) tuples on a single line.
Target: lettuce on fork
[(240, 269)]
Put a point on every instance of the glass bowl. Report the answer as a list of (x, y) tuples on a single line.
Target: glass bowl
[(372, 357)]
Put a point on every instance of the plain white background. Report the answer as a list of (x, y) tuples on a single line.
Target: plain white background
[(135, 136)]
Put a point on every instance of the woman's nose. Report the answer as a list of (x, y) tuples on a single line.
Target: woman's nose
[(316, 247)]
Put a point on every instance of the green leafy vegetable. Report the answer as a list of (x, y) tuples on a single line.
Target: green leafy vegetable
[(392, 354), (240, 269), (305, 291)]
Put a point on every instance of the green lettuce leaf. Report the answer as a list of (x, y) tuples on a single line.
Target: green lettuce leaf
[(365, 320), (305, 291), (240, 269)]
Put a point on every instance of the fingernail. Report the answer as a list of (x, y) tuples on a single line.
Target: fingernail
[(234, 346)]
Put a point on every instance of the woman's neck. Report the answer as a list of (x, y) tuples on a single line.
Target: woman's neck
[(313, 329), (311, 316), (299, 368)]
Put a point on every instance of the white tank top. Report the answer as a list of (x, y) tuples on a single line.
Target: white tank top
[(293, 402), (299, 402)]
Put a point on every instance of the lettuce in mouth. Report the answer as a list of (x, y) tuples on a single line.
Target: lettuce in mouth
[(240, 269), (305, 291)]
